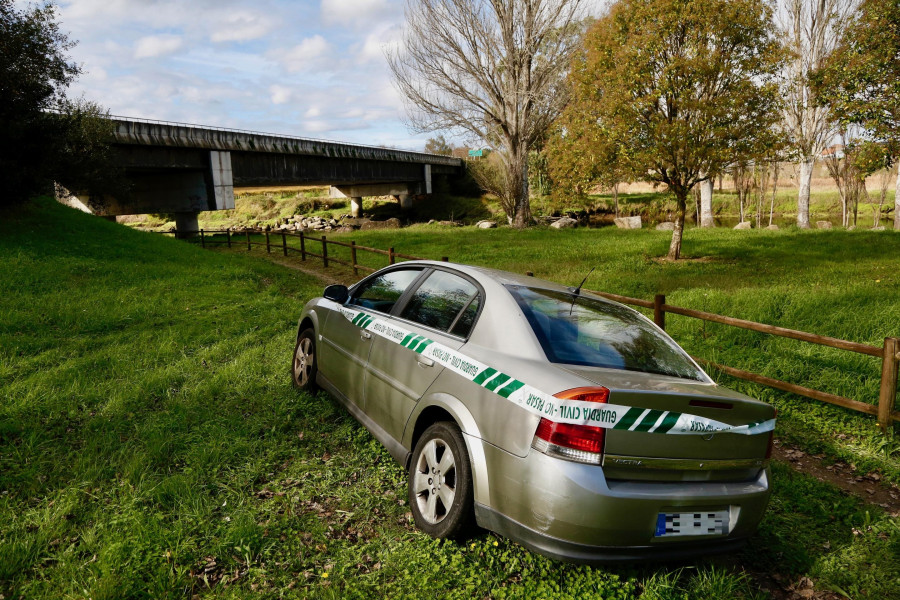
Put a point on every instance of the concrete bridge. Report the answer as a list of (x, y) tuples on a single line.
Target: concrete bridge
[(186, 169)]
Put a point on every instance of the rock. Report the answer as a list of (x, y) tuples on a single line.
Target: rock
[(449, 223), (772, 227), (851, 228), (744, 225), (485, 225), (666, 226), (389, 224), (565, 223), (879, 228), (823, 225), (344, 229), (355, 221), (628, 222)]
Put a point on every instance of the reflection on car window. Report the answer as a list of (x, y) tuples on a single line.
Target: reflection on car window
[(467, 318), (383, 292), (576, 330), (438, 301)]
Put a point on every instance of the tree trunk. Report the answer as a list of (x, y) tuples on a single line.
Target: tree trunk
[(616, 196), (706, 214), (517, 182), (897, 201), (806, 172), (678, 232), (774, 191)]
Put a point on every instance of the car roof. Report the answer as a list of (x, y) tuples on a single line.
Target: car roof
[(505, 277)]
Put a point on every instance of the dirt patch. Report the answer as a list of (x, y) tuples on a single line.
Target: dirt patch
[(688, 260), (869, 487)]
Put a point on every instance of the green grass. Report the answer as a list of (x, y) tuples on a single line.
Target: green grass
[(151, 445)]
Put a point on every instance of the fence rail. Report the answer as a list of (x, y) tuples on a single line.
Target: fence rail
[(889, 352)]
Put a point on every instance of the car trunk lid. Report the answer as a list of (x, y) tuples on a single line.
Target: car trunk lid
[(642, 455)]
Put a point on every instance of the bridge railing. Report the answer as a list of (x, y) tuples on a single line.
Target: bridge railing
[(315, 246)]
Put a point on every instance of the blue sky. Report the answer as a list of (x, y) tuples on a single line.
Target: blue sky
[(314, 68), (311, 68)]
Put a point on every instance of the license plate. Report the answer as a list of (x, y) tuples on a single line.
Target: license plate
[(692, 523)]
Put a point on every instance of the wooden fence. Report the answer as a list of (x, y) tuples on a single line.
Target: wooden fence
[(889, 352)]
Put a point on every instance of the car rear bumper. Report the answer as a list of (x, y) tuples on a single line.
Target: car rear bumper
[(586, 554), (570, 511)]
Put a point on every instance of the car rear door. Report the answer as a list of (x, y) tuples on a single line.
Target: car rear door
[(442, 309), (345, 347)]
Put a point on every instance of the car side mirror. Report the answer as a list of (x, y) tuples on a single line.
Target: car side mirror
[(337, 293)]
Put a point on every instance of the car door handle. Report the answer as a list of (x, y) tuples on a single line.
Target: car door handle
[(365, 335), (424, 362)]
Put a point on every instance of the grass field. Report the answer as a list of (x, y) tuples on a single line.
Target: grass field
[(151, 445)]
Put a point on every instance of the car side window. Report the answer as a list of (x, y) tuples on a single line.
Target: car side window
[(439, 300), (383, 292)]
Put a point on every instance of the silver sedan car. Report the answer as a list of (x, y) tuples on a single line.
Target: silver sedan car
[(566, 422)]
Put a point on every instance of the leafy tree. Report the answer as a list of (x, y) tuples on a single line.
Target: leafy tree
[(861, 80), (678, 89), (43, 135), (493, 69), (438, 145)]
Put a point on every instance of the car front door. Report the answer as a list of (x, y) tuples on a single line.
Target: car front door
[(345, 347), (442, 309)]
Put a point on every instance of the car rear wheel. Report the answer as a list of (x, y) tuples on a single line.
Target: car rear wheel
[(440, 482), (304, 367)]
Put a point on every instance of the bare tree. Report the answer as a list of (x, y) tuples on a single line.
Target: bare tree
[(494, 69), (811, 30)]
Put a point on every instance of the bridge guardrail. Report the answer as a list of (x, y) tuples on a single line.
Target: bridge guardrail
[(889, 352)]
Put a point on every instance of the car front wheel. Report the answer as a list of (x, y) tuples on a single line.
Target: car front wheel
[(304, 367), (440, 482)]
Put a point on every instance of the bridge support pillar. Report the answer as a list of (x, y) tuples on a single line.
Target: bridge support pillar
[(186, 224), (355, 206), (404, 200)]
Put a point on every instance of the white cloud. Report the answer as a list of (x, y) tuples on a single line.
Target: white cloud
[(358, 12), (241, 26), (152, 46), (280, 94), (308, 55), (312, 112)]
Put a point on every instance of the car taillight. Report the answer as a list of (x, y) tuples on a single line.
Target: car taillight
[(580, 443)]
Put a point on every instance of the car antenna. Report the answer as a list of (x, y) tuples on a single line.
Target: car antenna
[(577, 291)]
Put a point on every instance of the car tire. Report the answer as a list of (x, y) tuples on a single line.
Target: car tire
[(440, 482), (304, 366)]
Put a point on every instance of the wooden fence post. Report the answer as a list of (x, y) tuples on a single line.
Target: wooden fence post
[(302, 246), (659, 315), (202, 239), (324, 252), (391, 255), (353, 257), (284, 243), (888, 383), (228, 237), (268, 246), (248, 239)]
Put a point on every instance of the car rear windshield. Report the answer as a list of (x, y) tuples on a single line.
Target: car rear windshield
[(575, 330)]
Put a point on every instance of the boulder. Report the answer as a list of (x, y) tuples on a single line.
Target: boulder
[(851, 228), (772, 227), (824, 225), (879, 228), (666, 226), (485, 225), (389, 224), (354, 221), (565, 223), (628, 222), (744, 225)]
